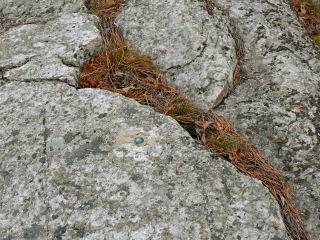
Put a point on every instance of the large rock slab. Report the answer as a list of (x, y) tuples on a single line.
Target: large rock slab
[(54, 50), (278, 105), (195, 50), (70, 169)]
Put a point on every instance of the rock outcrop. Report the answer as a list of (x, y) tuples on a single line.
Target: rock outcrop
[(22, 12), (70, 167), (278, 105), (277, 102)]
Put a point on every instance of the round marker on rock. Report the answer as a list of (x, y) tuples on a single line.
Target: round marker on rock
[(138, 140)]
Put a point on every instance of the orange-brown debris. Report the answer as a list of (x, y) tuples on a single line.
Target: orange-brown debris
[(309, 17)]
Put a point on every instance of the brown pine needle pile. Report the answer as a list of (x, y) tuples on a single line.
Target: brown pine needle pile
[(309, 17), (118, 69)]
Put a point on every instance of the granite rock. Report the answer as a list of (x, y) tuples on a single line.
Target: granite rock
[(277, 104), (27, 11), (54, 50), (70, 169), (195, 50)]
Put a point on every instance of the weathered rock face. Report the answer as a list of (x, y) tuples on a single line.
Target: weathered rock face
[(54, 50), (70, 169), (26, 11), (278, 104), (46, 50), (195, 51)]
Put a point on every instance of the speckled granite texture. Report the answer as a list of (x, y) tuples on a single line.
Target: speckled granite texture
[(69, 167), (278, 106), (277, 103), (49, 51), (194, 50)]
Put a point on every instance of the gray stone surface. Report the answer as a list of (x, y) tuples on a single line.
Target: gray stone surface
[(278, 105), (27, 11), (54, 50), (70, 170), (195, 50)]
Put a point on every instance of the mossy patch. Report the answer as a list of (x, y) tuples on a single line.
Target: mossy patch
[(226, 144), (316, 39)]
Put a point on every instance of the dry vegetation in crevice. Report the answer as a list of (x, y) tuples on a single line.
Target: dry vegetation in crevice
[(308, 12), (118, 69)]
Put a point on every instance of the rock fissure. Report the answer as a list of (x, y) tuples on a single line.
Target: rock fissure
[(200, 54), (53, 80), (258, 166), (7, 27), (46, 162), (45, 134), (16, 65)]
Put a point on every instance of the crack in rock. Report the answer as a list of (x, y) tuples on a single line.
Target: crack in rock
[(46, 162), (283, 70), (17, 63), (204, 45), (54, 50)]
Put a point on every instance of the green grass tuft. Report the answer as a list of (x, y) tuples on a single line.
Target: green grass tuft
[(226, 144)]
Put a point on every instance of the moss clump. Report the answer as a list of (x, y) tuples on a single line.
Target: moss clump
[(226, 144), (316, 39), (184, 109), (180, 108)]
